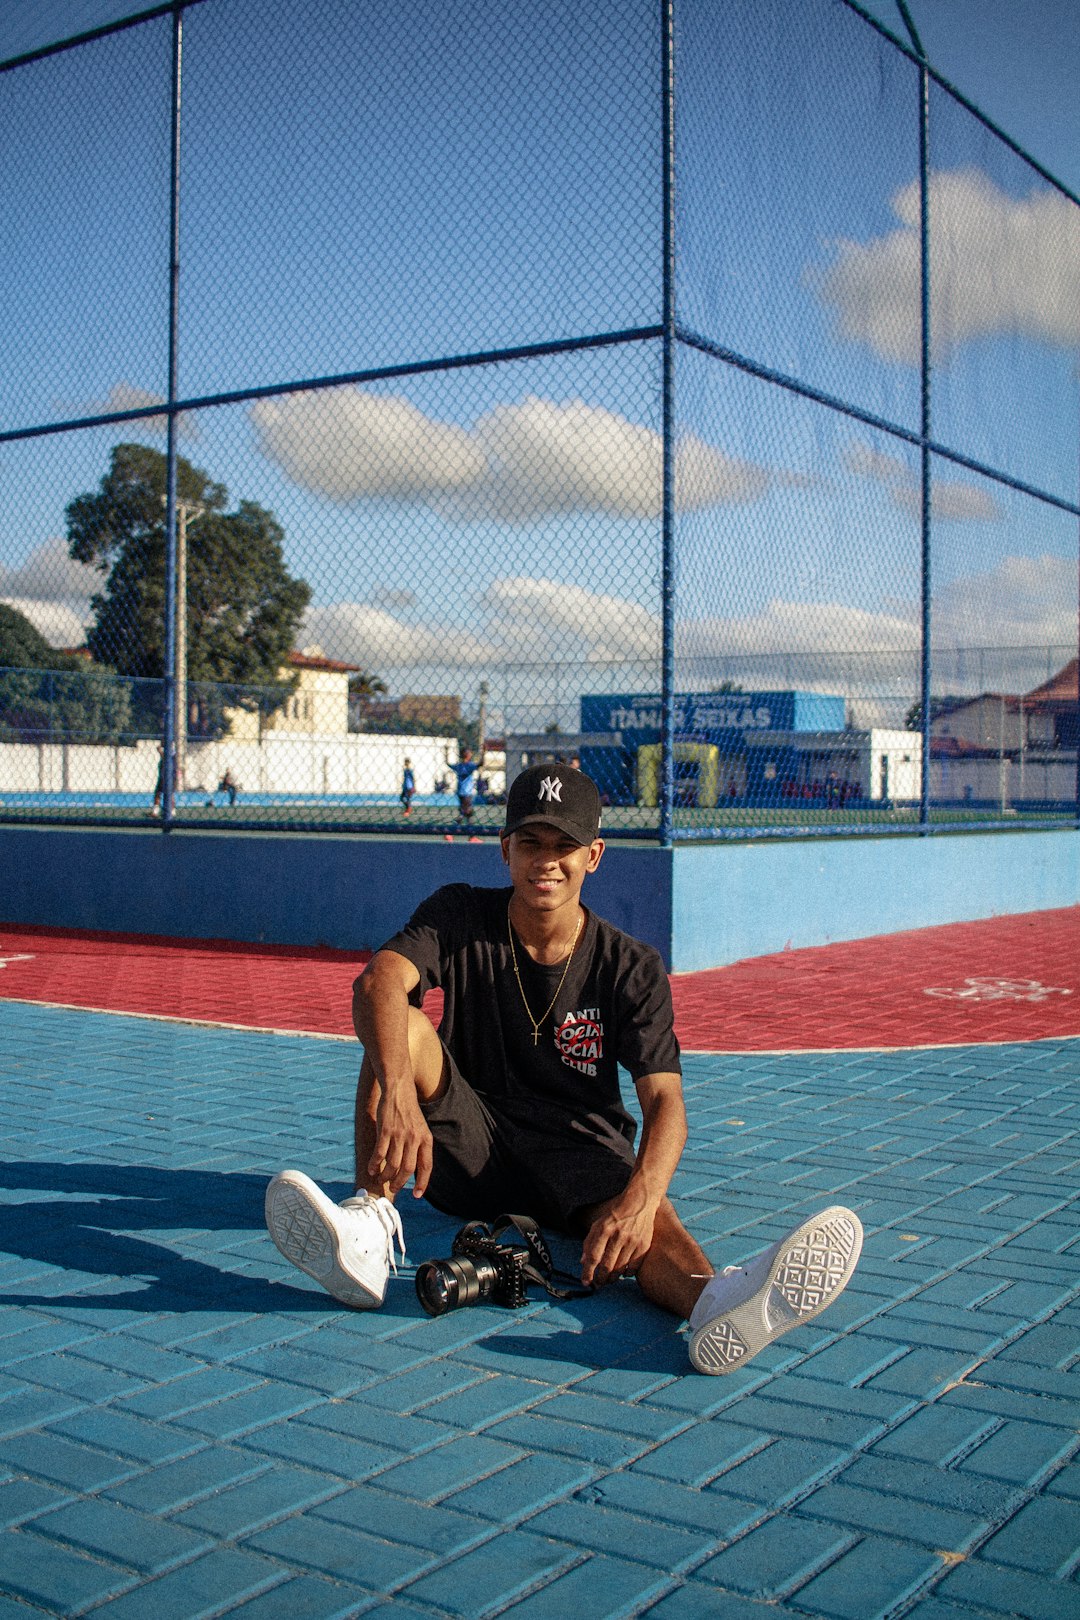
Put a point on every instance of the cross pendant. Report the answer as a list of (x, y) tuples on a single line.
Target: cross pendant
[(536, 1035)]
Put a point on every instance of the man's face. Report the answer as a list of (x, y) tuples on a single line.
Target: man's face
[(547, 868)]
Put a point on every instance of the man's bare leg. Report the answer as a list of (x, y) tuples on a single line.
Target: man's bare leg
[(430, 1073), (675, 1269)]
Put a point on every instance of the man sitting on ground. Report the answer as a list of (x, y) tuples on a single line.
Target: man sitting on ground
[(514, 1104)]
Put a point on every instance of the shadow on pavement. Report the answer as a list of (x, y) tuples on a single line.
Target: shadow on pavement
[(127, 1222)]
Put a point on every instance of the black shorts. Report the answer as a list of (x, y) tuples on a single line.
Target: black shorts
[(485, 1165)]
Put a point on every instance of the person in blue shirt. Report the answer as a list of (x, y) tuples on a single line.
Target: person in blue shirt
[(408, 787), (465, 772)]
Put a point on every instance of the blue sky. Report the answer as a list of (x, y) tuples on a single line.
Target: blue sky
[(497, 184), (1017, 60)]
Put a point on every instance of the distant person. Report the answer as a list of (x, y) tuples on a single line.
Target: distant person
[(408, 787), (229, 786), (159, 785), (465, 771), (515, 1102)]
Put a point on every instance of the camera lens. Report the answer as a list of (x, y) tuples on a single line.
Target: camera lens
[(447, 1285)]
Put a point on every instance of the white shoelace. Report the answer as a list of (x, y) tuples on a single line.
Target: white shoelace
[(390, 1221)]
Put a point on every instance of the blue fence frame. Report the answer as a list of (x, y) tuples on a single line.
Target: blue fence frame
[(671, 332)]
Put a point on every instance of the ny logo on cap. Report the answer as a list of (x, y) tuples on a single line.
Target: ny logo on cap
[(551, 790)]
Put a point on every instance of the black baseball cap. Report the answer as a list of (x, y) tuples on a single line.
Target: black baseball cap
[(558, 795)]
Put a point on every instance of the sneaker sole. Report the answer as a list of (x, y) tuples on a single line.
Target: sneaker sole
[(299, 1218), (813, 1266)]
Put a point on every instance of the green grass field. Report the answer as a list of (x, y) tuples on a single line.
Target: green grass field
[(628, 821)]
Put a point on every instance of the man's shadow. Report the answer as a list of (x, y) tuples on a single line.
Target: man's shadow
[(114, 1221), (124, 1223)]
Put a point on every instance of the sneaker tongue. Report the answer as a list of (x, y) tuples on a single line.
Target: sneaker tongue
[(719, 1293)]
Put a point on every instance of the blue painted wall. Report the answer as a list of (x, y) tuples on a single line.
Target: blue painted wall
[(731, 901), (700, 905), (287, 889)]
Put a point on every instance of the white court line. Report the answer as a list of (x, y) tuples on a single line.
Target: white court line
[(175, 1018), (837, 1051), (707, 1051)]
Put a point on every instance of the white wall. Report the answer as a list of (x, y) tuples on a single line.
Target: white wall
[(1004, 780), (61, 767), (364, 763), (903, 752)]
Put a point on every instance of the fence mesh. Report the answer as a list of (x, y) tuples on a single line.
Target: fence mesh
[(387, 403)]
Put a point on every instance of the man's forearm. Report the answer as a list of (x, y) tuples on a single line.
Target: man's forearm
[(393, 1139), (381, 1022), (663, 1138)]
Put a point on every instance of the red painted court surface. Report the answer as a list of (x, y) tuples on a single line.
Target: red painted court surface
[(1007, 979)]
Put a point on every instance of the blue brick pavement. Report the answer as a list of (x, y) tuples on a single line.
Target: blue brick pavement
[(188, 1428)]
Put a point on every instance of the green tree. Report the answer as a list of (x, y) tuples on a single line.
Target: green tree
[(938, 706), (51, 696), (22, 646), (243, 606), (364, 685)]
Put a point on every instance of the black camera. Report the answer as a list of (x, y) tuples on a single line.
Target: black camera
[(481, 1268)]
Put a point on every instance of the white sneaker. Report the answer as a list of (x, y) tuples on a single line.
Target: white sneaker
[(747, 1307), (347, 1247)]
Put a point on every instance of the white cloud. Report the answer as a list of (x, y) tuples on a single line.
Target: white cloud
[(127, 396), (53, 592), (538, 617), (393, 599), (1022, 602), (869, 658), (358, 633), (541, 640), (48, 573), (60, 626), (951, 499), (706, 476), (544, 458), (521, 621), (799, 629), (347, 445), (517, 464), (998, 264)]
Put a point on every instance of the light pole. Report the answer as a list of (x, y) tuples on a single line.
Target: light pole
[(184, 510), (481, 724)]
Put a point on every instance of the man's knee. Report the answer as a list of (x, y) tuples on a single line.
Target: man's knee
[(427, 1057)]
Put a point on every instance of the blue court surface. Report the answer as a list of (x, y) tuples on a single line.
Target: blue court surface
[(189, 1427)]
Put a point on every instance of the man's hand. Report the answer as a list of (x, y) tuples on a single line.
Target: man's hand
[(402, 1142), (619, 1238)]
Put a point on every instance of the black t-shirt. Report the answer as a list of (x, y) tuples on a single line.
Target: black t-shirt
[(614, 1008)]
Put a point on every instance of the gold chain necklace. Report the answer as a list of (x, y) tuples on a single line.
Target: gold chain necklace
[(517, 975)]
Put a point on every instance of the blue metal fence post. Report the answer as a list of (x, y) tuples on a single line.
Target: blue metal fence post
[(169, 738), (926, 536), (1077, 715), (925, 668), (667, 510)]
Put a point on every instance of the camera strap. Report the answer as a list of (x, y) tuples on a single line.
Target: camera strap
[(542, 1269)]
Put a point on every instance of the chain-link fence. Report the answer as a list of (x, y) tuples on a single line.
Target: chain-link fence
[(392, 396)]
